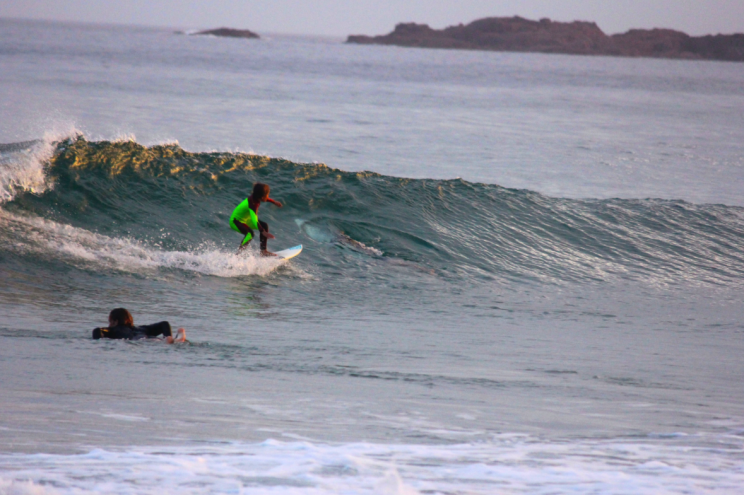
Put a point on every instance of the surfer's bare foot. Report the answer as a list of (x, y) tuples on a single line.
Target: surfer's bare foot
[(266, 252)]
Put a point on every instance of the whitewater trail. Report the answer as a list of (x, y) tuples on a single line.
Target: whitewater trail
[(44, 238)]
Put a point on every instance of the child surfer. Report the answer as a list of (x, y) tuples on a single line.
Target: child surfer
[(244, 218)]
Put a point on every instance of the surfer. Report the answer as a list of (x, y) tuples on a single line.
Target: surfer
[(121, 326), (244, 218)]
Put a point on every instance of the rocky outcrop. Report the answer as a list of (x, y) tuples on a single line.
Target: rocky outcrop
[(579, 38), (229, 33), (674, 44)]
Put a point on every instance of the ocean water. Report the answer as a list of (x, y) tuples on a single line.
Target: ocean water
[(522, 273)]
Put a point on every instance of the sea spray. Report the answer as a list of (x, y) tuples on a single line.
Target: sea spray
[(22, 165)]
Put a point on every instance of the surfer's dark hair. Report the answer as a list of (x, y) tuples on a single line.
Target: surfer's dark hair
[(122, 317), (260, 190)]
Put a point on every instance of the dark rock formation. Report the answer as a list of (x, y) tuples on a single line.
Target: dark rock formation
[(579, 38), (230, 33)]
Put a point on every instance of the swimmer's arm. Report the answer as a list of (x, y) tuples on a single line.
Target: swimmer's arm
[(277, 203)]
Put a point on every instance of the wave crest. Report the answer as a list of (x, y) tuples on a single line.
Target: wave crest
[(125, 190)]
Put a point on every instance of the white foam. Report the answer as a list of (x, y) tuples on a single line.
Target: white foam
[(23, 170), (78, 246), (508, 464)]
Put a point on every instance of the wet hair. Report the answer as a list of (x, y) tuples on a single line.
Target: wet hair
[(260, 190), (122, 317)]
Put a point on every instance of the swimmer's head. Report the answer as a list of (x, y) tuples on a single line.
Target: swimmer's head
[(121, 317), (261, 191)]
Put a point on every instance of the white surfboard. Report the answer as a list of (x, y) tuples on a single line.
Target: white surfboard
[(290, 253)]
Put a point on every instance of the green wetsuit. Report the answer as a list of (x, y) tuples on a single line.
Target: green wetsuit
[(244, 214)]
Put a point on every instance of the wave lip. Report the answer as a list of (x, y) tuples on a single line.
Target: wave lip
[(22, 168), (22, 164)]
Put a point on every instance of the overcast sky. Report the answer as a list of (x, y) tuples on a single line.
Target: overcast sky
[(372, 17)]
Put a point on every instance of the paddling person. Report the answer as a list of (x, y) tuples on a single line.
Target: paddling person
[(121, 326), (244, 218)]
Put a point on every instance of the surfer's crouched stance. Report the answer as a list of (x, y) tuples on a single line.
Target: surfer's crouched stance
[(244, 218), (121, 326)]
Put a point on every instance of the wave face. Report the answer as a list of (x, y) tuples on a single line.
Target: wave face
[(122, 203)]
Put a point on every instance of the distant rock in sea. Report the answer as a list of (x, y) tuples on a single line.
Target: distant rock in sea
[(229, 33), (516, 34)]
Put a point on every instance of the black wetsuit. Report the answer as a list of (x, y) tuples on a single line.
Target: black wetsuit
[(263, 227), (134, 333), (262, 234)]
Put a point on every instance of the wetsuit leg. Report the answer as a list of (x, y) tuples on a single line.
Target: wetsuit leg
[(245, 230), (262, 237), (156, 329)]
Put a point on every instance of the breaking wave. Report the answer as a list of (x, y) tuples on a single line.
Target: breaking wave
[(124, 205)]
